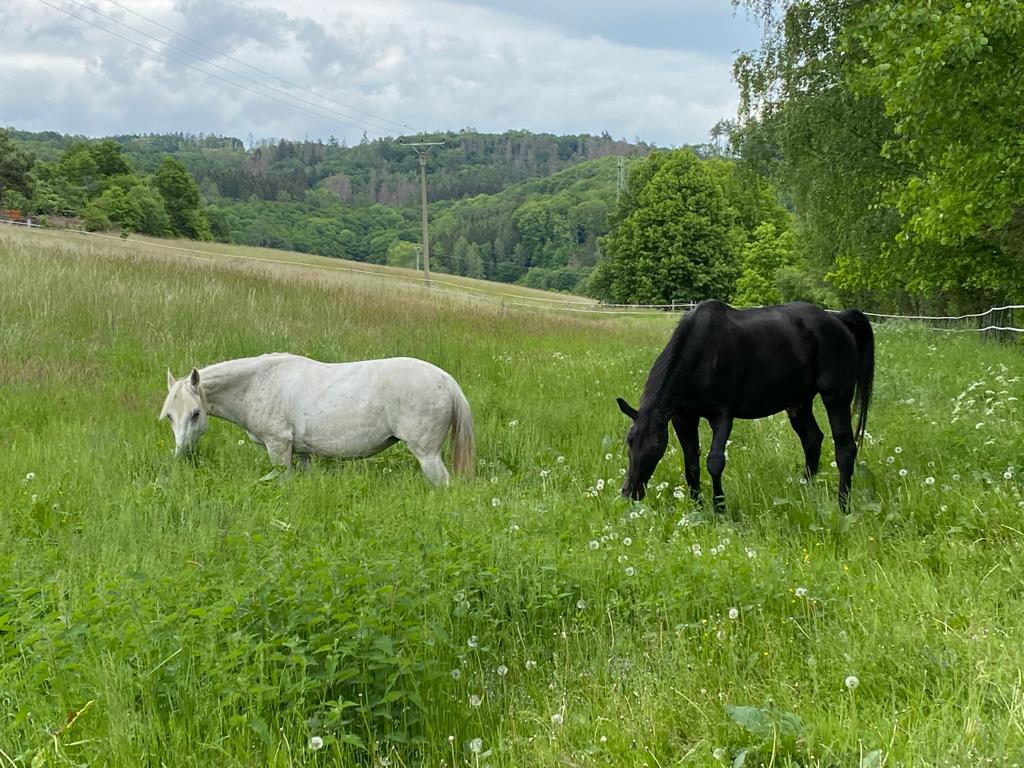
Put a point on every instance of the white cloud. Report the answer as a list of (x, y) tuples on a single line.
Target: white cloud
[(434, 65)]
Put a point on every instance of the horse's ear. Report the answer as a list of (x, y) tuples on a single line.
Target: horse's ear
[(626, 408), (170, 380), (193, 379)]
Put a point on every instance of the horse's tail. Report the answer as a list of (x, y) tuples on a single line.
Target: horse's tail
[(858, 324), (463, 445)]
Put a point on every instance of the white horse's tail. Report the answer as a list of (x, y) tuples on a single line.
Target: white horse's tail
[(463, 445)]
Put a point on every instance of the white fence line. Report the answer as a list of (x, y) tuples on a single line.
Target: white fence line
[(522, 300)]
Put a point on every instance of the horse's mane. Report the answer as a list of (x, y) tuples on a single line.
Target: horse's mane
[(665, 372)]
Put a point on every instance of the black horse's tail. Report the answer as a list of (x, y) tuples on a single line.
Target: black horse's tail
[(858, 324)]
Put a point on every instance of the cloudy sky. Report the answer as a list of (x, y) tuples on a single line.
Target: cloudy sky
[(654, 69)]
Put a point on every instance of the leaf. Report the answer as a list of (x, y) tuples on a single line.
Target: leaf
[(740, 760), (751, 719), (765, 722), (871, 759), (259, 726)]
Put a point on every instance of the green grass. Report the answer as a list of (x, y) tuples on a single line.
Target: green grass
[(191, 615)]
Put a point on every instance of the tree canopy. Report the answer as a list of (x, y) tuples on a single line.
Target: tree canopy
[(894, 129)]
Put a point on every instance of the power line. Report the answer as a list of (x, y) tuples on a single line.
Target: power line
[(366, 125), (257, 69)]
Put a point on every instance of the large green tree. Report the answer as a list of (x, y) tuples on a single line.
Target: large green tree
[(894, 129), (15, 167), (674, 236), (181, 197), (951, 77)]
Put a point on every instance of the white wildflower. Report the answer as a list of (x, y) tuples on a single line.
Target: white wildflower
[(852, 682), (315, 743)]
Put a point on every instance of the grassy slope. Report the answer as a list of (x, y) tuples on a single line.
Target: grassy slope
[(213, 620)]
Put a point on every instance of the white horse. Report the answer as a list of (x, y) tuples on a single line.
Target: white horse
[(292, 404)]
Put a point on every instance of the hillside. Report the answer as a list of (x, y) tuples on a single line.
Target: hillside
[(551, 196), (380, 171)]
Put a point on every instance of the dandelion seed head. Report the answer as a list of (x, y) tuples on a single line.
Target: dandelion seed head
[(315, 743), (473, 641), (929, 480), (502, 670), (531, 664), (800, 592), (475, 700), (456, 674), (556, 719), (627, 541), (476, 746), (734, 613), (630, 570), (30, 477), (607, 457), (581, 604), (851, 681)]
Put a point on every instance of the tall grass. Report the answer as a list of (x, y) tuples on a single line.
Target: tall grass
[(161, 612)]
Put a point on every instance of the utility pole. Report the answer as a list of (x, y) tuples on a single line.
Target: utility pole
[(422, 148), (621, 184)]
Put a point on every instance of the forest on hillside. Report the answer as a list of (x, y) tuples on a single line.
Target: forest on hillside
[(514, 207)]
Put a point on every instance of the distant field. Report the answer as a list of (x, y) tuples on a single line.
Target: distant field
[(155, 612), (380, 274)]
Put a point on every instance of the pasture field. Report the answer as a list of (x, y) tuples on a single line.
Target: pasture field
[(155, 612)]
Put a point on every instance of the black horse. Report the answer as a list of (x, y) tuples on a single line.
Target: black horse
[(723, 364)]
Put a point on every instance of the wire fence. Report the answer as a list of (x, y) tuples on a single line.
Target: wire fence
[(997, 322)]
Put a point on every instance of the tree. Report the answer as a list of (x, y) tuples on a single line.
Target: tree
[(894, 129), (181, 197), (951, 78), (674, 237), (767, 252), (15, 167)]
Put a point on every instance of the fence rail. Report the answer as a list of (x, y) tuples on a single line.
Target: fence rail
[(996, 320)]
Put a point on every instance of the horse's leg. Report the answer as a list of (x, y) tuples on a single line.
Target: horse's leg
[(428, 454), (280, 451), (685, 426), (802, 420), (303, 462), (433, 468), (838, 408), (721, 426)]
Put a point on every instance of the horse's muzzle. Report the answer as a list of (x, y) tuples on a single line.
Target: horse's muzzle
[(636, 492)]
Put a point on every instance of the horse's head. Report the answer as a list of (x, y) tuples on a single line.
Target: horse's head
[(646, 442), (185, 407)]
